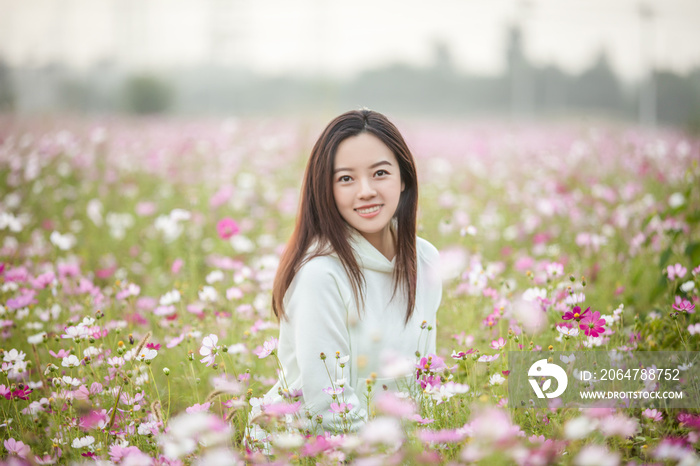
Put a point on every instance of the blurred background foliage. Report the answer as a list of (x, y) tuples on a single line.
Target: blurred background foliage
[(524, 90)]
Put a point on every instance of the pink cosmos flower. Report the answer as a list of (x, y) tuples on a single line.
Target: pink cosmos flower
[(440, 436), (431, 363), (333, 391), (488, 358), (177, 265), (221, 197), (676, 271), (16, 447), (48, 459), (340, 407), (266, 349), (619, 425), (175, 341), (389, 403), (694, 329), (281, 409), (94, 418), (145, 208), (592, 325), (209, 349), (653, 414), (227, 227), (576, 314), (196, 408), (117, 453), (681, 305), (420, 420), (462, 354), (23, 300), (43, 280), (498, 344)]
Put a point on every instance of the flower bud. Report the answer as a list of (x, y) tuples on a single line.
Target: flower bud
[(166, 371)]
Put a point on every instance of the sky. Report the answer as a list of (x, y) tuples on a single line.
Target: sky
[(340, 38)]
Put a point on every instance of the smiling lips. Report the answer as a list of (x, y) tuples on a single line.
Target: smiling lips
[(369, 211)]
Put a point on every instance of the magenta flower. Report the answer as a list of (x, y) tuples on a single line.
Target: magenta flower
[(683, 305), (431, 362), (592, 325), (227, 227), (576, 314)]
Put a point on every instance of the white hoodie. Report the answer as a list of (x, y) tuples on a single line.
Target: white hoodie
[(323, 318)]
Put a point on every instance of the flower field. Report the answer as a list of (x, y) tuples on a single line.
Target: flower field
[(137, 258)]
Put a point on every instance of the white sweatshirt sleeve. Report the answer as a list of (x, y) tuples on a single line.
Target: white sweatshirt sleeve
[(317, 311)]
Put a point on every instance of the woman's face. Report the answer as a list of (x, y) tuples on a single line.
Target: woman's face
[(366, 185)]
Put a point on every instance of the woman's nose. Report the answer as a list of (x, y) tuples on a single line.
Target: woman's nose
[(366, 189)]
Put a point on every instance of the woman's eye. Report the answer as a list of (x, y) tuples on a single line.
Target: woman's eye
[(381, 173), (344, 179)]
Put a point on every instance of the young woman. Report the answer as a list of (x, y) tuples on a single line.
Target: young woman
[(354, 283)]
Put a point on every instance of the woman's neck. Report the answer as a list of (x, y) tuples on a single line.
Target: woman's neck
[(383, 241)]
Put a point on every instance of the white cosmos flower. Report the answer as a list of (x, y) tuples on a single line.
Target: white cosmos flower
[(579, 428), (208, 293), (572, 332), (531, 294), (70, 361), (94, 211), (36, 339), (214, 276), (687, 286), (147, 354), (496, 379), (63, 242), (171, 297), (70, 381), (83, 442), (13, 355), (286, 440), (676, 200)]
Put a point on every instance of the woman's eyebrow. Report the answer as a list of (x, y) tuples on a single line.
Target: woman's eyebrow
[(374, 165)]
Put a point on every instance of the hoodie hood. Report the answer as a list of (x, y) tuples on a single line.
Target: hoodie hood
[(368, 256)]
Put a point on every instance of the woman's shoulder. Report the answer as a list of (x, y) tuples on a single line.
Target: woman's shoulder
[(319, 268), (426, 251)]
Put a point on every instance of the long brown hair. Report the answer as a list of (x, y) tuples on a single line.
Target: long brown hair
[(319, 220)]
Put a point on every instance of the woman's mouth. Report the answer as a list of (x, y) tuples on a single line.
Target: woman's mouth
[(368, 212)]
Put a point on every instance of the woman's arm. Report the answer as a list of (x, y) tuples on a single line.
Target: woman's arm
[(317, 310)]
